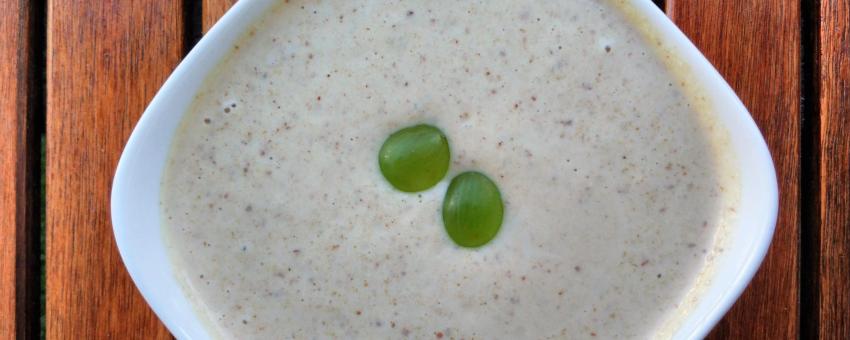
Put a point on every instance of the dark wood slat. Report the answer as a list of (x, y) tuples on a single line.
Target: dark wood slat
[(832, 274), (105, 61), (214, 9), (755, 44), (19, 154)]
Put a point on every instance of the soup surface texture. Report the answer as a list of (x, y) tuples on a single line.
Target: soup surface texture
[(281, 225)]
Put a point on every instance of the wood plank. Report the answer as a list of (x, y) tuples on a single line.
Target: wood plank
[(214, 9), (755, 44), (19, 154), (106, 59), (833, 248)]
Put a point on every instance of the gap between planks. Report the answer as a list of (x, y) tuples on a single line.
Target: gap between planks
[(21, 125)]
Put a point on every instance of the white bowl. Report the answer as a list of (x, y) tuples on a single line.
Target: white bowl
[(136, 187)]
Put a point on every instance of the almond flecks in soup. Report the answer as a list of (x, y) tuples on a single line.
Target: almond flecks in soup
[(603, 172)]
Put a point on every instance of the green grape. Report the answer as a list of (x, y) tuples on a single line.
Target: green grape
[(472, 209), (415, 158)]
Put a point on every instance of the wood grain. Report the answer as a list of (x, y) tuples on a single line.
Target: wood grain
[(213, 10), (18, 169), (755, 44), (833, 211), (105, 61)]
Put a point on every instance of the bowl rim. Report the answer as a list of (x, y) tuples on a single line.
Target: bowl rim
[(135, 213)]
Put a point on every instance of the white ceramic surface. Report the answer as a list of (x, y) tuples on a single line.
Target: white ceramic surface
[(135, 191)]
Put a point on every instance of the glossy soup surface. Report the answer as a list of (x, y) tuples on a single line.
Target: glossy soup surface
[(281, 225)]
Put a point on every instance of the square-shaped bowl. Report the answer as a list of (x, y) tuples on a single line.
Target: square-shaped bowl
[(136, 187)]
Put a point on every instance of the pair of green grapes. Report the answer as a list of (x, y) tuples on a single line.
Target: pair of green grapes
[(416, 158)]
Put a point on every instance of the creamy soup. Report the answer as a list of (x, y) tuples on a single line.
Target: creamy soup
[(281, 224)]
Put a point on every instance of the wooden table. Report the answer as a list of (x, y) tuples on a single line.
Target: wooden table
[(81, 72)]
